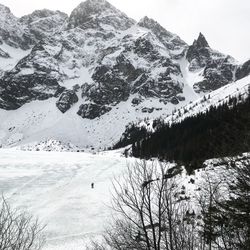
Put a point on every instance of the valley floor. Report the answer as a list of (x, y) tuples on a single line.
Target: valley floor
[(56, 187)]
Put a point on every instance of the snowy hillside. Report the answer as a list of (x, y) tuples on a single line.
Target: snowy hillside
[(40, 120), (202, 104)]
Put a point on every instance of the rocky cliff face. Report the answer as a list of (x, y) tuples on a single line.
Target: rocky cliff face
[(33, 78), (11, 30), (26, 31), (199, 53), (219, 69), (173, 43), (98, 59), (243, 70), (122, 58), (43, 23)]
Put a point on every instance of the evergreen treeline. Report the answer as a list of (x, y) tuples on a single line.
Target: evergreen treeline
[(221, 131), (132, 134)]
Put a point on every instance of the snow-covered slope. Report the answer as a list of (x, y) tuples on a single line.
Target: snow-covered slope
[(40, 120), (214, 98), (222, 95), (95, 71)]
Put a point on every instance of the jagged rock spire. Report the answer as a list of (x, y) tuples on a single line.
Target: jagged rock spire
[(198, 53), (201, 42)]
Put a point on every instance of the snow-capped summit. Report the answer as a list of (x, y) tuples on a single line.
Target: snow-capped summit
[(218, 69), (37, 14), (97, 13), (4, 9), (149, 23), (11, 31), (43, 23), (171, 41), (199, 53)]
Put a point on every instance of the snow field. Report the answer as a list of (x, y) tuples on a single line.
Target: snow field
[(56, 187)]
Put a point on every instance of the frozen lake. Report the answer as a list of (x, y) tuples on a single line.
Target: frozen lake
[(56, 187)]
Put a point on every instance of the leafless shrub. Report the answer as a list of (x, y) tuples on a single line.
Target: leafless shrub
[(148, 212), (19, 230)]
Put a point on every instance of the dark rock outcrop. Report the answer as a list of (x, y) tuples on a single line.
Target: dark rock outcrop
[(12, 31), (16, 90), (144, 48), (4, 54), (174, 100), (243, 70), (171, 41), (114, 83), (147, 110), (42, 23), (111, 88), (198, 54), (66, 100), (216, 74), (219, 69), (92, 110), (136, 100)]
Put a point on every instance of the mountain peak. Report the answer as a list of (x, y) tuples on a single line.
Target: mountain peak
[(201, 42), (148, 23), (93, 13), (4, 8), (146, 19), (94, 5), (168, 39), (42, 13)]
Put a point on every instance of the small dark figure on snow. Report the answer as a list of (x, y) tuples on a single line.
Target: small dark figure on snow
[(92, 185), (138, 236)]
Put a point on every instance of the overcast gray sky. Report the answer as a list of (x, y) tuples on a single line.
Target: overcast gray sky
[(225, 23)]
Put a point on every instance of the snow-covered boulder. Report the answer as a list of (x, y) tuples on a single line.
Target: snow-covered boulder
[(66, 100), (92, 110)]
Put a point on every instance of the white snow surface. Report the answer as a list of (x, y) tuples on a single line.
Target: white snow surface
[(41, 120), (56, 187), (16, 55)]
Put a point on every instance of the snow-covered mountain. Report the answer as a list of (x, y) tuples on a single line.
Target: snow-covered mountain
[(81, 79)]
